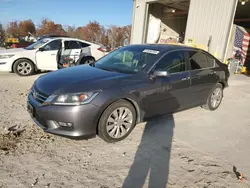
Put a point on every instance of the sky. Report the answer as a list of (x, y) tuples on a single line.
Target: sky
[(68, 12)]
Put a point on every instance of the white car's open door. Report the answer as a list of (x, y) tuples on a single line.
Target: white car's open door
[(46, 58), (71, 49)]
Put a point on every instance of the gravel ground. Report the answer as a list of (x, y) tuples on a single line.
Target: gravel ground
[(157, 154)]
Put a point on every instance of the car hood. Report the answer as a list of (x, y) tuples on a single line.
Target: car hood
[(81, 78), (11, 51)]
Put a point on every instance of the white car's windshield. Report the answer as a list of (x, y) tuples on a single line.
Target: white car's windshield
[(131, 59), (37, 44)]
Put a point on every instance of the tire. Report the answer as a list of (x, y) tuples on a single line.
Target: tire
[(210, 104), (24, 67), (105, 123), (87, 60)]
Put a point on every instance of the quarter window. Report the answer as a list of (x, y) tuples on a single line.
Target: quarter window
[(210, 61), (172, 63), (199, 60)]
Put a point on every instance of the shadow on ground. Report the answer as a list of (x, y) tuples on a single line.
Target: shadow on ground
[(153, 155)]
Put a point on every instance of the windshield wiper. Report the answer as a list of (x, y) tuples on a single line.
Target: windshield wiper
[(105, 68)]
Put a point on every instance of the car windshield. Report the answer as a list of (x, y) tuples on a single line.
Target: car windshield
[(37, 44), (131, 59)]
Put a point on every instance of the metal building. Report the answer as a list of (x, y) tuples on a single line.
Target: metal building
[(207, 23)]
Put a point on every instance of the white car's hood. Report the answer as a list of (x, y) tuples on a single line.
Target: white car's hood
[(11, 51)]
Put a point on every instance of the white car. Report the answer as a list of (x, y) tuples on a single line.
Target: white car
[(46, 53)]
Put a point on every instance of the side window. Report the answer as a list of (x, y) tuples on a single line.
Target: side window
[(53, 45), (69, 45), (173, 63), (84, 45), (199, 60), (210, 61)]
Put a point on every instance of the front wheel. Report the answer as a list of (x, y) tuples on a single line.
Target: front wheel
[(117, 121), (215, 98), (24, 67)]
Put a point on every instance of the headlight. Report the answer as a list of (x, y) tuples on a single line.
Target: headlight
[(6, 56), (72, 99)]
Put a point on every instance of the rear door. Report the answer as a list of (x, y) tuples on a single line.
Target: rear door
[(72, 49), (173, 94), (85, 49), (203, 76)]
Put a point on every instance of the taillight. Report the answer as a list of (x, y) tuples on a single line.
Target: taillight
[(101, 49)]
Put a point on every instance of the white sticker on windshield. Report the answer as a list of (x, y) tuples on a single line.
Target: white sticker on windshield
[(151, 51)]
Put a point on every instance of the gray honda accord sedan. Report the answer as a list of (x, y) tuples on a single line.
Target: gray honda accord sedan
[(112, 95)]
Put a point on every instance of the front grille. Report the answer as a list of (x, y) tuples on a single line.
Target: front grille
[(39, 96), (41, 122)]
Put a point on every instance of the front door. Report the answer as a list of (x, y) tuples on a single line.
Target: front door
[(47, 58), (173, 93)]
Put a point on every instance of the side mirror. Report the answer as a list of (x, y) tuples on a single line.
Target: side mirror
[(41, 49), (160, 73)]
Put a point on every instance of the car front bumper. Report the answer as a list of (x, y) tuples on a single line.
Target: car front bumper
[(83, 118), (6, 65)]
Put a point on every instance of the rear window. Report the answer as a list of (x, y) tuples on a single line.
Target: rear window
[(84, 45), (71, 45)]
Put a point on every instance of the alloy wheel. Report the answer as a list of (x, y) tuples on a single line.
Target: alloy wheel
[(119, 122), (216, 97), (24, 68), (89, 61)]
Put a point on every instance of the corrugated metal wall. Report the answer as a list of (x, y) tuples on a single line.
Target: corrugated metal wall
[(205, 18), (139, 20), (211, 18)]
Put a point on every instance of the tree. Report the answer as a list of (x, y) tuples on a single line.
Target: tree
[(111, 32), (79, 33), (25, 27), (71, 31), (12, 29), (92, 32), (116, 36), (2, 34), (127, 31), (50, 28)]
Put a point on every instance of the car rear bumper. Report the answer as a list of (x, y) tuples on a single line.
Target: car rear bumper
[(83, 118)]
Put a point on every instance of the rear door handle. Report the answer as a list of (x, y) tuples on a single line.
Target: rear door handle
[(186, 78), (212, 72), (53, 54)]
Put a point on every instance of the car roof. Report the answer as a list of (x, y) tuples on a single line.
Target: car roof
[(68, 38), (166, 47)]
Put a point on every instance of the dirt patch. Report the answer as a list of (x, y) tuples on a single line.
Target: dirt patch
[(149, 157)]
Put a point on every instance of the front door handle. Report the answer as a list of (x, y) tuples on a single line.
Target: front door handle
[(186, 78), (52, 54)]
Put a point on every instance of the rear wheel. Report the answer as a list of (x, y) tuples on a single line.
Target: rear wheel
[(87, 60), (117, 121), (24, 67), (215, 98)]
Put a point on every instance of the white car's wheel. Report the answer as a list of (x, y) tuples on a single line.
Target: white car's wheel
[(87, 60), (24, 67)]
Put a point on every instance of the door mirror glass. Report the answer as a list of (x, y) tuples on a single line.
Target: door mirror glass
[(160, 73)]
